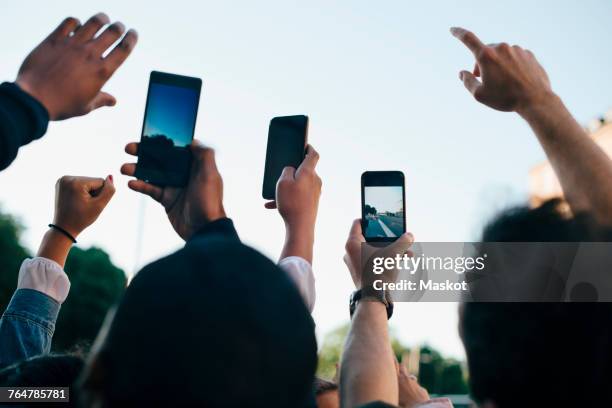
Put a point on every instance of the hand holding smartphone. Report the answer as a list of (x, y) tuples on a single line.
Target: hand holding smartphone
[(164, 158), (382, 205), (287, 139)]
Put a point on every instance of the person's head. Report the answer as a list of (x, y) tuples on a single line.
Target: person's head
[(51, 370), (214, 324), (550, 222), (550, 354), (326, 393)]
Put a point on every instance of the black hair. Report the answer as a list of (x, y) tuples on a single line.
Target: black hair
[(50, 370), (550, 222), (214, 324), (539, 354)]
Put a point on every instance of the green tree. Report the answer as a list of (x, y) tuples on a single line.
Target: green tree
[(96, 284), (437, 374), (12, 253), (331, 350)]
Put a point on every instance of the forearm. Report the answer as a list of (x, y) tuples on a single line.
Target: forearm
[(27, 326), (299, 241), (55, 246), (368, 366), (583, 168)]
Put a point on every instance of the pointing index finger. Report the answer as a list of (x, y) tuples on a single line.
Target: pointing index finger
[(469, 39)]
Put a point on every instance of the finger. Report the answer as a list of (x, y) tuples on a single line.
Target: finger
[(108, 37), (270, 205), (476, 71), (132, 148), (469, 39), (103, 99), (91, 184), (356, 230), (128, 169), (116, 57), (107, 191), (311, 159), (288, 173), (66, 27), (143, 187), (471, 83), (204, 158), (401, 245), (91, 27)]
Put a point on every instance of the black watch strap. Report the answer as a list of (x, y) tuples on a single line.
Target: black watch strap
[(380, 296)]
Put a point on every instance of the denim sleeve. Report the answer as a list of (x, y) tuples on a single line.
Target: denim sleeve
[(27, 326)]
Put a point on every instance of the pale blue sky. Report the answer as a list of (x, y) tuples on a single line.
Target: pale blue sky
[(379, 83), (387, 198)]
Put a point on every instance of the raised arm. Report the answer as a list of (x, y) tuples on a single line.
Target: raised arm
[(61, 78), (27, 325), (297, 199), (368, 370), (511, 79)]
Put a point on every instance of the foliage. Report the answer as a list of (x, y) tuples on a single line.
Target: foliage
[(437, 374), (96, 284), (12, 253)]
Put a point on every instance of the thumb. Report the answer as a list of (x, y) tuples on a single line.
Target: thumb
[(288, 173), (471, 83), (400, 246), (106, 192), (103, 99)]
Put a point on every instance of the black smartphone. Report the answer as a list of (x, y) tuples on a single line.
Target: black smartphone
[(382, 205), (171, 110), (287, 138)]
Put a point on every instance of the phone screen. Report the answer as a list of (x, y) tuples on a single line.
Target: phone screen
[(286, 147), (383, 217), (170, 116)]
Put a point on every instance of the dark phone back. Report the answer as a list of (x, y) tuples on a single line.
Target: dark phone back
[(286, 147)]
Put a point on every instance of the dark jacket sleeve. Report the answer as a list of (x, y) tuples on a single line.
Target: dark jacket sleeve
[(221, 229), (22, 119)]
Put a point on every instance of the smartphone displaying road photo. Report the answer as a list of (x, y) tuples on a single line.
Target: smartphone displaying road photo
[(383, 202)]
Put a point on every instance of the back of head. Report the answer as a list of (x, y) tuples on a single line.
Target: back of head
[(51, 370), (539, 354), (551, 222), (214, 324)]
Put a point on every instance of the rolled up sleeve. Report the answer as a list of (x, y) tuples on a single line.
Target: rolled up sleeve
[(300, 272), (28, 323)]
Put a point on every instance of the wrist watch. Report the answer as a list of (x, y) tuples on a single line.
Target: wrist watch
[(379, 296)]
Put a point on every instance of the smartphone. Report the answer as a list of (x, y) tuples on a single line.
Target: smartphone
[(382, 205), (287, 138), (171, 110)]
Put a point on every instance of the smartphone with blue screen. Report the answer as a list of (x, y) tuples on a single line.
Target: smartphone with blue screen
[(164, 158)]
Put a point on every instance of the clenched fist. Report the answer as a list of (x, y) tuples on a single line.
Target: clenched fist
[(80, 200)]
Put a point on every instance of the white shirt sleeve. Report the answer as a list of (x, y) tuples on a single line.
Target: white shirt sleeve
[(46, 276), (300, 272)]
